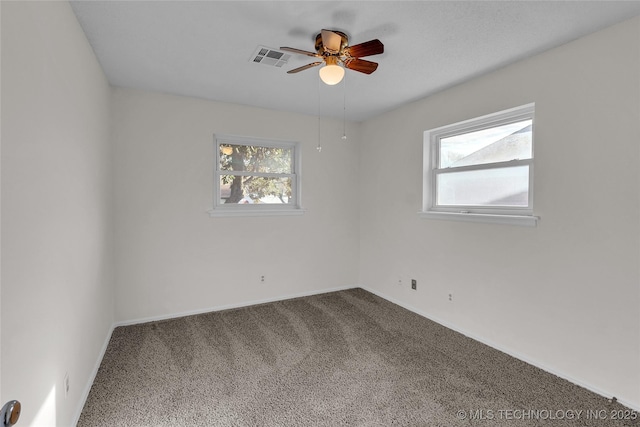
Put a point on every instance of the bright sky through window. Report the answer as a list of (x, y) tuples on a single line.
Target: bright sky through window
[(456, 147)]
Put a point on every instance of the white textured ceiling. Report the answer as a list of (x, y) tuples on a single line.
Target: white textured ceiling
[(203, 48)]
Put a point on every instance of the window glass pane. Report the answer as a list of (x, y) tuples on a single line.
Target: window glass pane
[(497, 144), (253, 158), (255, 190), (489, 187)]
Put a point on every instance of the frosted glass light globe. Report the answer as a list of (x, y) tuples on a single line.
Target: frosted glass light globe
[(332, 74)]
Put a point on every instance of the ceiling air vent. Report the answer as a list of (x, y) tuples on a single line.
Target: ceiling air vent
[(268, 56)]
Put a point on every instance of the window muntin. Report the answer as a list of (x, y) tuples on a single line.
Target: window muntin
[(481, 166), (256, 176)]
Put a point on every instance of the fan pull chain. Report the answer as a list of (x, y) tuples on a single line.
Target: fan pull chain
[(344, 108), (319, 147)]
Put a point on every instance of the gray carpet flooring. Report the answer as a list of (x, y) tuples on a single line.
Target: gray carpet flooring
[(342, 358)]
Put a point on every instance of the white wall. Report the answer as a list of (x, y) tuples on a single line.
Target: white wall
[(57, 284), (173, 258), (564, 295)]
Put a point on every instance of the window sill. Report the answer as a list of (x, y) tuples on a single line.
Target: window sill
[(254, 212), (521, 220)]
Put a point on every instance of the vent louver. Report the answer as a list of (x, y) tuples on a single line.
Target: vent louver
[(270, 57)]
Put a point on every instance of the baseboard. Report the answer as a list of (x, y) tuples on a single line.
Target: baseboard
[(230, 306), (510, 352), (92, 377)]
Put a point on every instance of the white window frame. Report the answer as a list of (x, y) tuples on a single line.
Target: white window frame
[(221, 209), (501, 215)]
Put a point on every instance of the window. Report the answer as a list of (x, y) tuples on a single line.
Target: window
[(481, 169), (256, 177)]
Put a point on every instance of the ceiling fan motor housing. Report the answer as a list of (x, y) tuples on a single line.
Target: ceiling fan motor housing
[(320, 48)]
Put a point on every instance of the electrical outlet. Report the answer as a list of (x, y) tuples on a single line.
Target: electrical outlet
[(262, 278), (66, 385), (414, 284), (450, 297), (400, 282)]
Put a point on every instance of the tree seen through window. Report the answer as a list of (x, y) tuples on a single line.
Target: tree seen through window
[(255, 174)]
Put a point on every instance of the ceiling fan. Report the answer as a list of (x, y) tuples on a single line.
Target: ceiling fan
[(333, 48)]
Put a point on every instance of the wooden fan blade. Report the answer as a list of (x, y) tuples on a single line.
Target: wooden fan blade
[(331, 40), (372, 47), (300, 51), (361, 65), (304, 67)]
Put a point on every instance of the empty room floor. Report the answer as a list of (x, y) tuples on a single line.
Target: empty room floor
[(341, 358)]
